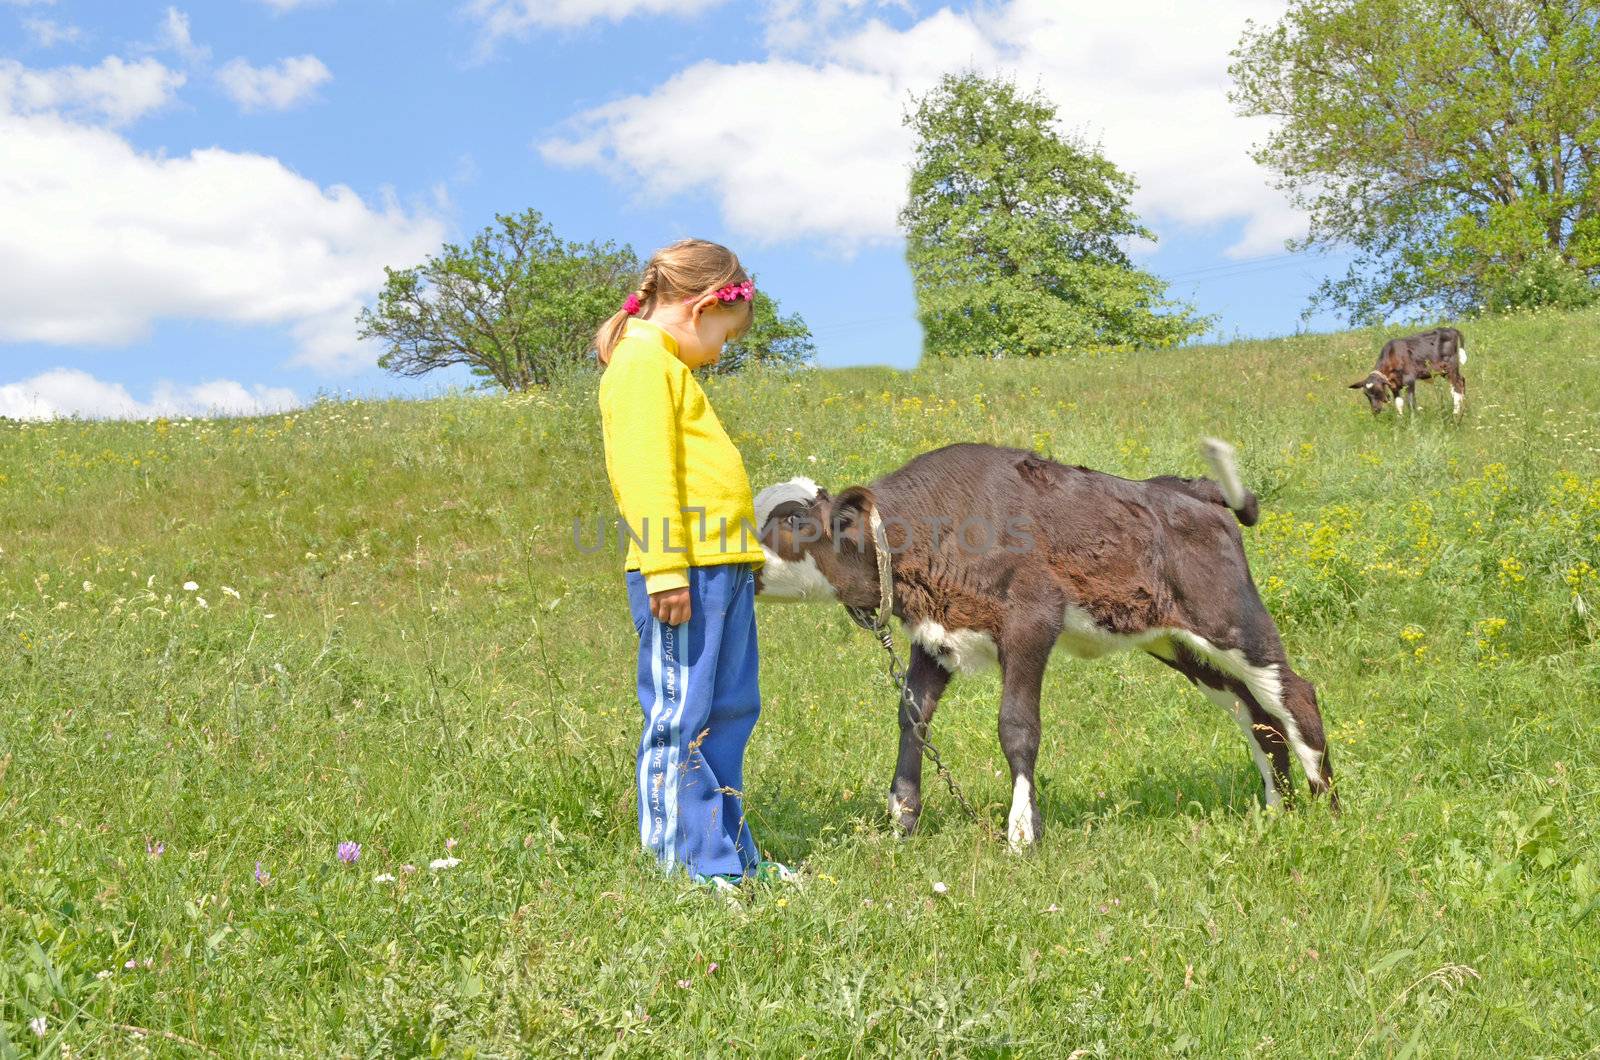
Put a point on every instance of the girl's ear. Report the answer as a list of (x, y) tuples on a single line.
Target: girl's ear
[(701, 304)]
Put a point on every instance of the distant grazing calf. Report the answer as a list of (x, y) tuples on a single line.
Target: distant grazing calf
[(1441, 351), (998, 556)]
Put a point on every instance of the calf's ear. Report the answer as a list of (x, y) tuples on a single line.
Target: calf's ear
[(1359, 384), (850, 516)]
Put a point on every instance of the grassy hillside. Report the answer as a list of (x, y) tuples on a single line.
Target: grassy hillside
[(394, 642)]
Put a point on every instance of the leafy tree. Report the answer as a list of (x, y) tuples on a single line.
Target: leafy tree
[(1545, 279), (516, 305), (1015, 233), (1453, 143), (519, 307), (774, 340)]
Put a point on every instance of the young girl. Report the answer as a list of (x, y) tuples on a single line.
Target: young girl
[(681, 489)]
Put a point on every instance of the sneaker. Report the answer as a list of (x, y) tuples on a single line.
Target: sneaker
[(774, 872), (720, 883)]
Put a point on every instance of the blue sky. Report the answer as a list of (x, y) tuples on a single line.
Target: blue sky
[(181, 177)]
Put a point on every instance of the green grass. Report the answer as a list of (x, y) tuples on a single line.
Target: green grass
[(417, 652)]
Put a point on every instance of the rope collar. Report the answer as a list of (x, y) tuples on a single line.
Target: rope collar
[(876, 620), (880, 542)]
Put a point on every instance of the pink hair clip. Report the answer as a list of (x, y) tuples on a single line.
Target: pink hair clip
[(735, 292), (631, 306)]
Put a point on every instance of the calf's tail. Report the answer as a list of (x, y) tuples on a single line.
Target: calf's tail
[(1225, 471)]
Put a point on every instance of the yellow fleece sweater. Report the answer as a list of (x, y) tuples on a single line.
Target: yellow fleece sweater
[(679, 482)]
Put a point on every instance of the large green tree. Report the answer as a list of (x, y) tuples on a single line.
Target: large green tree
[(1452, 143), (518, 306), (1016, 233)]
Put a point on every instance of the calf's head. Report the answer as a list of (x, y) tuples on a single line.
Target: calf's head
[(817, 547), (1376, 388)]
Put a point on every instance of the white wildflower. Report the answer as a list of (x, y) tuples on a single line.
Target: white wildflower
[(383, 877), (190, 587), (88, 586), (201, 601), (38, 1025), (444, 863), (940, 888), (226, 591)]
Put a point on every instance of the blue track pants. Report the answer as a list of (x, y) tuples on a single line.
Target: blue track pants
[(699, 690)]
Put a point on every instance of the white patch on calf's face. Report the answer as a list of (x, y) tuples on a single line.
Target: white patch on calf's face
[(1019, 826), (800, 489), (793, 580), (966, 650)]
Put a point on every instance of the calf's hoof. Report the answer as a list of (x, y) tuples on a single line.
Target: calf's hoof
[(1022, 835), (903, 813), (1024, 823)]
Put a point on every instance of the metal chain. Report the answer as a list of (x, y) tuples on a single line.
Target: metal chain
[(876, 621)]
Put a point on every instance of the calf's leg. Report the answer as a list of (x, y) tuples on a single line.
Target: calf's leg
[(1287, 706), (1022, 679), (927, 681), (1266, 743)]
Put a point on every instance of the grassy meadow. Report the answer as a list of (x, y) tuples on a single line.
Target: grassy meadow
[(393, 641)]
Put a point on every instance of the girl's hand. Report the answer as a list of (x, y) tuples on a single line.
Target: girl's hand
[(671, 606)]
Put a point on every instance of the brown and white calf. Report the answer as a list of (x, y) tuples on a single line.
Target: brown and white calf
[(998, 556), (1442, 351)]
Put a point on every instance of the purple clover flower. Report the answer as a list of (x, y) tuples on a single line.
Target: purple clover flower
[(262, 876), (349, 852)]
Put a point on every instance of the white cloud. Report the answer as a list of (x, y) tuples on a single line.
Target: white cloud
[(47, 34), (813, 148), (778, 171), (279, 87), (799, 25), (115, 90), (69, 392), (503, 18), (173, 35), (102, 240)]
